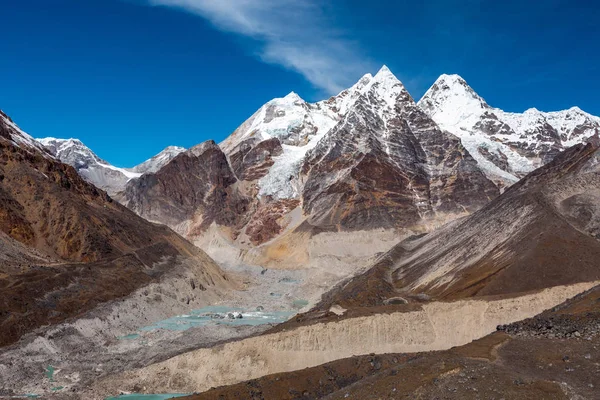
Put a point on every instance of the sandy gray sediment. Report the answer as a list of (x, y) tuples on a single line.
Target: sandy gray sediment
[(437, 326)]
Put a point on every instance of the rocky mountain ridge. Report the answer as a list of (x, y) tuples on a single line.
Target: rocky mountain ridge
[(367, 158), (100, 172)]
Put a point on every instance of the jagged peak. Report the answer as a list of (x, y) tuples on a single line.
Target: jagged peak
[(451, 78), (385, 74), (451, 86), (363, 81), (290, 99), (292, 96), (384, 70), (451, 83), (576, 109), (533, 111), (573, 110)]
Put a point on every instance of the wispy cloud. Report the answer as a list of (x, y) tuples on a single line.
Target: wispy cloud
[(296, 34)]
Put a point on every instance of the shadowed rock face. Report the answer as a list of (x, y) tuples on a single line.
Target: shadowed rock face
[(66, 245), (198, 182), (252, 158)]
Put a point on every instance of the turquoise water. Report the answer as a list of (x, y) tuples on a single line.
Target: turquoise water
[(131, 336), (213, 315), (50, 373), (147, 396)]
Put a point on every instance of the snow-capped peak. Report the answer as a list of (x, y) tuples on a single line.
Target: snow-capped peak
[(158, 161), (506, 145), (293, 97), (88, 164), (452, 91), (386, 79)]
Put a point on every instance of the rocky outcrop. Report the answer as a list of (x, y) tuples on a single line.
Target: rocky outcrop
[(198, 186), (252, 158)]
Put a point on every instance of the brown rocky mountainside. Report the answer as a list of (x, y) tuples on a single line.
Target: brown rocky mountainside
[(376, 170), (68, 245), (198, 181), (541, 232)]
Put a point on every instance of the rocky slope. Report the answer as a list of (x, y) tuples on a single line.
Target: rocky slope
[(198, 182), (69, 245), (367, 159), (99, 172), (506, 145)]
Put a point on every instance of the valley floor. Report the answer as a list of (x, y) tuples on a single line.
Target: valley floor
[(395, 351)]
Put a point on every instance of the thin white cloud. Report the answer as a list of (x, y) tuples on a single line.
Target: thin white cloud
[(296, 34)]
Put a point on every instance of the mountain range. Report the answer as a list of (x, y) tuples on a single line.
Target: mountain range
[(384, 225), (367, 159)]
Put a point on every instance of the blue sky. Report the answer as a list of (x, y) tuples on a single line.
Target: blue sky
[(130, 77)]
